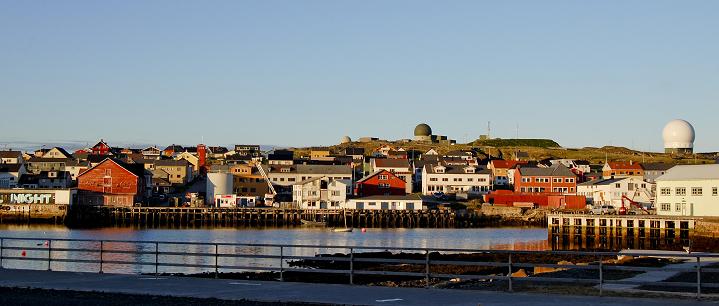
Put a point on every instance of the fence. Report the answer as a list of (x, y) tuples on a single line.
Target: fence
[(156, 257)]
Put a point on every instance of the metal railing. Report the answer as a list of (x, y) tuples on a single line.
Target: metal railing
[(46, 252)]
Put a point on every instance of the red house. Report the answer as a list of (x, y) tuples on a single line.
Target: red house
[(555, 179), (101, 148), (113, 182), (381, 182)]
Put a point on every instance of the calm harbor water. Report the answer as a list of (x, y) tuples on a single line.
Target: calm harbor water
[(512, 238)]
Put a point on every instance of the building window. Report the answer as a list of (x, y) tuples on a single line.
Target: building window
[(681, 191), (715, 191), (384, 177), (470, 179), (444, 179), (665, 191), (666, 207), (678, 207), (697, 191), (433, 179), (384, 186)]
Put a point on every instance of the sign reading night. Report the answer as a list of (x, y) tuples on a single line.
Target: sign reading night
[(27, 198)]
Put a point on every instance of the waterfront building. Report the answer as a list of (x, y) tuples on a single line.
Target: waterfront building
[(689, 190), (460, 180), (611, 191), (387, 202), (179, 172), (114, 182), (288, 175), (10, 175), (151, 153), (321, 193), (555, 179), (399, 167), (381, 182)]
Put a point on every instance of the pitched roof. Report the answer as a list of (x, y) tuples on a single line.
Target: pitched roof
[(555, 170), (691, 172), (136, 169), (625, 165), (373, 174), (391, 163), (657, 166), (310, 169), (10, 154), (459, 169), (602, 182), (11, 168), (506, 164)]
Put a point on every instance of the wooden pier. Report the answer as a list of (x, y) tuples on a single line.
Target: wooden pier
[(237, 217), (616, 232)]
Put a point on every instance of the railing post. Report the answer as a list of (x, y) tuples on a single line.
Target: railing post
[(699, 277), (509, 273), (102, 247), (157, 254), (216, 265), (352, 266), (282, 263), (426, 272), (601, 277), (49, 255)]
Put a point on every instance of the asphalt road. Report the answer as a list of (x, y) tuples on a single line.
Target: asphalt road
[(301, 292)]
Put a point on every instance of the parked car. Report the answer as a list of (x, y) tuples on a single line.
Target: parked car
[(439, 195), (603, 210)]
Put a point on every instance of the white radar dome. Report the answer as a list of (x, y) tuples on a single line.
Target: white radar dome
[(678, 134)]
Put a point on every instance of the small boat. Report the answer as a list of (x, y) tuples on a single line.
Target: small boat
[(342, 230), (313, 223)]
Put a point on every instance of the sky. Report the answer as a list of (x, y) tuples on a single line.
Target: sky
[(300, 73)]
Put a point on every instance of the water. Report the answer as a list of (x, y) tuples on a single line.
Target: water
[(505, 238)]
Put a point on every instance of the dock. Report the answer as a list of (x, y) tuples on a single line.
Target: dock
[(585, 231)]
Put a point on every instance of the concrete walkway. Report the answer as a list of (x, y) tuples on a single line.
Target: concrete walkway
[(301, 292), (660, 275)]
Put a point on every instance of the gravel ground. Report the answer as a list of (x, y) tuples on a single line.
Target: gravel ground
[(34, 297)]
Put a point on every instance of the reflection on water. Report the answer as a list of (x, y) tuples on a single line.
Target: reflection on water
[(483, 238)]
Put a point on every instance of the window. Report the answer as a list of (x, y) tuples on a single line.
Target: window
[(384, 186), (569, 180), (666, 207), (678, 207), (433, 179), (335, 193), (470, 179), (697, 191), (666, 191), (715, 191), (617, 185), (681, 191), (444, 179), (384, 177)]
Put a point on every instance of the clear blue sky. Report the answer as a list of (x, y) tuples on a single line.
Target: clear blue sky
[(585, 73)]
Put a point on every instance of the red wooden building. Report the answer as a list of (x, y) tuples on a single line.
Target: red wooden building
[(101, 148), (113, 182), (555, 179), (381, 182)]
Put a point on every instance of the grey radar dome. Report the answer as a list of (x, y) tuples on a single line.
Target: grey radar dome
[(678, 137), (422, 129)]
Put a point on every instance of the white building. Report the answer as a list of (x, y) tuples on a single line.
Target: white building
[(469, 180), (10, 175), (611, 191), (581, 165), (387, 202), (288, 175), (689, 190), (11, 157), (321, 193)]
